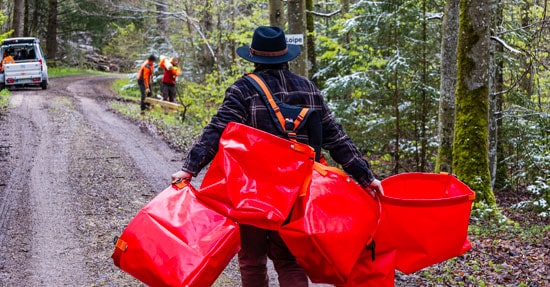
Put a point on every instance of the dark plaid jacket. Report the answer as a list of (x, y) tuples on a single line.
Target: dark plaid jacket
[(243, 104)]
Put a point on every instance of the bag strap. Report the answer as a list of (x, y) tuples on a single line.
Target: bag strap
[(290, 118)]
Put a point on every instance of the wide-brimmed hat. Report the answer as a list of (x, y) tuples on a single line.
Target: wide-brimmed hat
[(268, 47)]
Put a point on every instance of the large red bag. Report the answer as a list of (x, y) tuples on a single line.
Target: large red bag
[(331, 225), (429, 214), (369, 271), (256, 177), (177, 241)]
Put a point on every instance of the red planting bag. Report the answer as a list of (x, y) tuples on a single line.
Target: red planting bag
[(256, 177), (177, 241), (428, 214), (376, 269), (372, 271), (331, 225)]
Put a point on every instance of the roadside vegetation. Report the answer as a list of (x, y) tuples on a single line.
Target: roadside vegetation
[(54, 72), (4, 97)]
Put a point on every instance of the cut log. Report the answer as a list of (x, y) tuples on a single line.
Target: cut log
[(167, 106)]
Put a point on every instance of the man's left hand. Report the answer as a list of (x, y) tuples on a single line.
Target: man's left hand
[(374, 187)]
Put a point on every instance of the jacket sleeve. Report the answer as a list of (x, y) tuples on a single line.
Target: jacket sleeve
[(233, 109), (343, 150)]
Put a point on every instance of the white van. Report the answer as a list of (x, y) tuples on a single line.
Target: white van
[(30, 67)]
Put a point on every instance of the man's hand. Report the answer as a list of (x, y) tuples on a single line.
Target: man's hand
[(147, 91), (374, 187), (181, 175)]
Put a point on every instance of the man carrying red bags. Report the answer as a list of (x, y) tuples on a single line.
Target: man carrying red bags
[(270, 54)]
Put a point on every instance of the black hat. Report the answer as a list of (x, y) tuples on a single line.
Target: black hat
[(268, 47), (152, 58)]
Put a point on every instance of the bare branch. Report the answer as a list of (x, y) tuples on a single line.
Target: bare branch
[(504, 44), (324, 15)]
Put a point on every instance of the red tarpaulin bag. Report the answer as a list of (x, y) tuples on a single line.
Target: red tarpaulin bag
[(369, 271), (175, 240), (331, 225), (429, 214), (256, 177)]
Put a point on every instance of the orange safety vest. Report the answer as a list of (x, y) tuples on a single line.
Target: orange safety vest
[(146, 72), (7, 60)]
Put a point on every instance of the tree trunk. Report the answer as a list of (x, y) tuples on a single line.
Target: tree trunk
[(425, 103), (18, 17), (27, 19), (447, 88), (310, 40), (526, 83), (36, 17), (297, 25), (496, 149), (396, 96), (162, 17), (470, 148), (51, 38), (276, 13), (206, 24)]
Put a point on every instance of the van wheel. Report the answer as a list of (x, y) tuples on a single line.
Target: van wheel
[(2, 86), (44, 85)]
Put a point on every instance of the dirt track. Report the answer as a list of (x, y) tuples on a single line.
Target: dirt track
[(72, 175)]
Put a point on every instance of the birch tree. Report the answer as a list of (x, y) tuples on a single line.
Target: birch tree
[(470, 147)]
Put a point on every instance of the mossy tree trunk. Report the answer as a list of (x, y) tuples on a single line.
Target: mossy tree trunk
[(471, 147), (447, 87)]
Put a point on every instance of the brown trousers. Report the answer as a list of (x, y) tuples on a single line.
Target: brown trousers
[(256, 246)]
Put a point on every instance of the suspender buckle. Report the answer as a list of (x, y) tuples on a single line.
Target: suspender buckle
[(289, 125)]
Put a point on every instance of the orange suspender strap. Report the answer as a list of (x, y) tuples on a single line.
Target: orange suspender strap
[(270, 100), (300, 117)]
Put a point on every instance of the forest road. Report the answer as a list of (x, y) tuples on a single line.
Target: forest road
[(72, 175)]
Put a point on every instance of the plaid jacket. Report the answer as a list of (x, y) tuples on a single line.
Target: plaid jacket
[(243, 104)]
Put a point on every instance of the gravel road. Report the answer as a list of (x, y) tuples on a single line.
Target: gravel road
[(73, 173)]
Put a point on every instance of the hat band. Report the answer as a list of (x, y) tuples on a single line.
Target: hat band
[(268, 54)]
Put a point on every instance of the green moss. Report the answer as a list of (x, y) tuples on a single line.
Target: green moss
[(471, 146)]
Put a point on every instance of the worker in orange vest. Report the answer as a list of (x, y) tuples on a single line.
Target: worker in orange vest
[(8, 59), (145, 79), (171, 73)]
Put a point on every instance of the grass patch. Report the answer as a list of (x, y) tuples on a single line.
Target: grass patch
[(127, 88), (165, 125), (66, 71), (4, 98)]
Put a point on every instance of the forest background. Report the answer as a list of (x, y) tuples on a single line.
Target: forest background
[(395, 73)]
